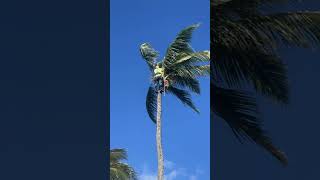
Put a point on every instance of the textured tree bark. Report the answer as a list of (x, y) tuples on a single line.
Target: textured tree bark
[(158, 137)]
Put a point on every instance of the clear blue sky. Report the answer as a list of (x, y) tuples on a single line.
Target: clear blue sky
[(185, 134)]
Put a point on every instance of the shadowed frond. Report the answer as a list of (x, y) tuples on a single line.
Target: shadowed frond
[(219, 2), (238, 3), (151, 103), (149, 54), (268, 32), (187, 82), (265, 72), (239, 110), (244, 8), (183, 96)]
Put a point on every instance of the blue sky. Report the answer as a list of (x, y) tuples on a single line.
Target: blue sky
[(185, 133)]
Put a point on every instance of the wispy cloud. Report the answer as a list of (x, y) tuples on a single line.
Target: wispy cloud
[(173, 172)]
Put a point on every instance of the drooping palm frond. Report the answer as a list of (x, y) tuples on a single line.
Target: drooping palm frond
[(187, 82), (151, 103), (244, 39), (118, 169), (239, 110), (266, 73), (183, 96), (149, 54)]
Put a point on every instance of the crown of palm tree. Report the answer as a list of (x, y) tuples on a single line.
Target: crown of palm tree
[(120, 170), (244, 42), (182, 67)]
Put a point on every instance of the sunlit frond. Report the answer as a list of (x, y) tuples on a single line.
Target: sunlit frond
[(180, 45), (149, 54), (120, 170)]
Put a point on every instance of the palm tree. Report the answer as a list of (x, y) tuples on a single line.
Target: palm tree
[(244, 41), (118, 169), (180, 69)]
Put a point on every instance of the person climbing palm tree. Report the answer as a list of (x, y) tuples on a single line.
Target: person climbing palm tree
[(158, 77), (178, 73)]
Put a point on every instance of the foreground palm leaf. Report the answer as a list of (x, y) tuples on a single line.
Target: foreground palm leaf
[(181, 68), (244, 42), (118, 169), (239, 110)]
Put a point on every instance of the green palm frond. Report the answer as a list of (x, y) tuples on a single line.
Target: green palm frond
[(180, 45), (191, 58), (183, 96), (185, 60), (149, 54), (239, 110), (118, 155), (189, 71), (120, 170), (151, 103), (187, 82)]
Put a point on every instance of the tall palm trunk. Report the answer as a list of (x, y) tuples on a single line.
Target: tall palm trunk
[(158, 136)]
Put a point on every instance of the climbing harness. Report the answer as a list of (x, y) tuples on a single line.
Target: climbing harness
[(160, 81)]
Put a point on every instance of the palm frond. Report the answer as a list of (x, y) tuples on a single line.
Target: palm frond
[(149, 54), (219, 2), (120, 170), (151, 104), (268, 32), (244, 8), (240, 112), (191, 71), (180, 45), (183, 96), (118, 155), (187, 82), (265, 72), (195, 57)]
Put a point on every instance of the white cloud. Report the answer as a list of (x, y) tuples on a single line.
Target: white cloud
[(193, 177), (168, 164), (172, 173)]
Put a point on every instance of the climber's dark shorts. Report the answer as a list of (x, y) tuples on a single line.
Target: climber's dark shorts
[(159, 84)]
